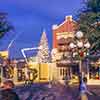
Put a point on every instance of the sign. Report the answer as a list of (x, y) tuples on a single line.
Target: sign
[(4, 54)]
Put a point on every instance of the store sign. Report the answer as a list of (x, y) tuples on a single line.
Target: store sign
[(64, 35), (4, 54)]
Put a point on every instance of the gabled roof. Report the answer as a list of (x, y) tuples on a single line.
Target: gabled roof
[(66, 26)]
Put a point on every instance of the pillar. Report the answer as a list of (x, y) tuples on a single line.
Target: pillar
[(15, 77)]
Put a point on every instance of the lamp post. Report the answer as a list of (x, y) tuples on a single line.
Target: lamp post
[(79, 49)]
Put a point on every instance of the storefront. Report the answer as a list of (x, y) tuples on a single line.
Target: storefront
[(20, 74), (94, 70), (67, 69), (20, 71)]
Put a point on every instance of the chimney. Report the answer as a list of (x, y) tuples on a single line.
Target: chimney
[(68, 18)]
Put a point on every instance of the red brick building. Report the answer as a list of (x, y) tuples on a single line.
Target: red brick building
[(65, 29), (63, 35)]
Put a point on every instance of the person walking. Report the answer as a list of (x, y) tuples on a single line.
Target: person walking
[(83, 89)]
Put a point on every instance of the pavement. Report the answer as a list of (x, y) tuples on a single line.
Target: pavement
[(54, 91), (44, 92), (93, 82)]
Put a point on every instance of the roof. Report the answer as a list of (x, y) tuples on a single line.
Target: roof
[(65, 26)]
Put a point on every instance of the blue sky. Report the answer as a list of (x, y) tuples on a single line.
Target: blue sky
[(30, 17)]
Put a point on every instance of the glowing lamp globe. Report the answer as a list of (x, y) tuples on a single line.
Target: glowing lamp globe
[(79, 34), (87, 45), (72, 45), (80, 44)]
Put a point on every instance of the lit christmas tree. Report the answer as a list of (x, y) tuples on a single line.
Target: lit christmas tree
[(43, 55)]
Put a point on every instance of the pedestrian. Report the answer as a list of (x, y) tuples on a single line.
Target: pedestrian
[(83, 89), (7, 92)]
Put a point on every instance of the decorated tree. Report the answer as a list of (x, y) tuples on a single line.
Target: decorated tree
[(43, 54), (89, 22)]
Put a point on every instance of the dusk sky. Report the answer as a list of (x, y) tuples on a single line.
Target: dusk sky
[(30, 17)]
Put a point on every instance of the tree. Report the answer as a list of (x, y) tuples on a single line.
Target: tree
[(43, 55), (89, 22), (5, 26), (93, 5)]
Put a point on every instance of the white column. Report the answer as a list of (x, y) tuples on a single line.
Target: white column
[(49, 75), (15, 77), (54, 71), (50, 72), (26, 73)]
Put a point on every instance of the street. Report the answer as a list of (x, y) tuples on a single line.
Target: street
[(55, 92)]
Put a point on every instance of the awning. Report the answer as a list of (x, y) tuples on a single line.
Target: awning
[(67, 63)]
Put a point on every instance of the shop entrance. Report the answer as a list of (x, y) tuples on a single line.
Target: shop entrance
[(75, 71), (94, 72), (71, 72)]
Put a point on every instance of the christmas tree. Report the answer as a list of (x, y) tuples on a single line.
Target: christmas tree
[(43, 55)]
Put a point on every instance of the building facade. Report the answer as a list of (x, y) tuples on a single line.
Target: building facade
[(64, 30), (63, 34)]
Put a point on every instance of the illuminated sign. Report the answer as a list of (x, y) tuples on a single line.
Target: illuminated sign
[(4, 54), (64, 35)]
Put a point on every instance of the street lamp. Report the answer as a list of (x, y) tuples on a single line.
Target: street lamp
[(79, 35), (80, 48)]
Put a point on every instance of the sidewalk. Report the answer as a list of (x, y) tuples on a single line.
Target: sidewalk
[(75, 82), (16, 83), (93, 82)]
